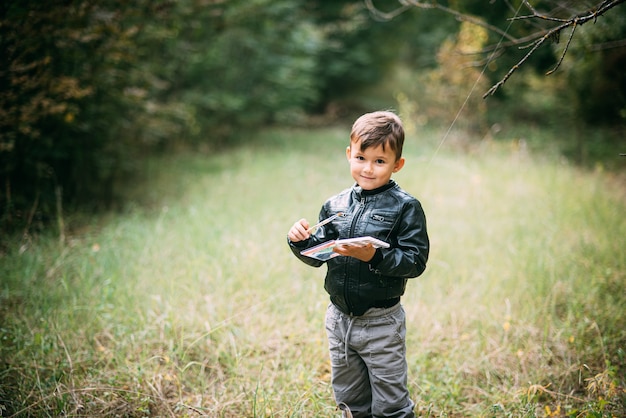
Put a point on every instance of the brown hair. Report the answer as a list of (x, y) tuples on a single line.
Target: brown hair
[(379, 128)]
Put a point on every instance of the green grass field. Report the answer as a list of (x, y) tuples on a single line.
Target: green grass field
[(192, 305)]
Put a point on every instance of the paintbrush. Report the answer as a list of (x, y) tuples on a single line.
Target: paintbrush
[(324, 222)]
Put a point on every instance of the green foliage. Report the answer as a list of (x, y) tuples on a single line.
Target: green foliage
[(359, 51), (232, 66), (593, 67), (90, 89), (65, 112), (498, 14), (595, 70)]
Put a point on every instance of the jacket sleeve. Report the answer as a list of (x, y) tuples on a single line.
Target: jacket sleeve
[(408, 256), (317, 238), (296, 247)]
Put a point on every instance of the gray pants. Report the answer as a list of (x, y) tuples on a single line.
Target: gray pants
[(368, 358)]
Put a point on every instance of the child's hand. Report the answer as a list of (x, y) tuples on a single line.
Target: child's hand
[(362, 252), (298, 231)]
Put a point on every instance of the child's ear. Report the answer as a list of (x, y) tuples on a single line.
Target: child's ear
[(348, 152), (398, 165)]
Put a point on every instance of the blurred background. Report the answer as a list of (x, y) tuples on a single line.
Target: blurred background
[(153, 155), (92, 88)]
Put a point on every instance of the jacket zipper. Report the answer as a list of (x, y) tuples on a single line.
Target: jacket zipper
[(355, 219)]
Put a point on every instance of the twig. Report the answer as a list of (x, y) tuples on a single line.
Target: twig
[(569, 40), (514, 68), (537, 39), (385, 15), (529, 6), (572, 22), (406, 4), (536, 15)]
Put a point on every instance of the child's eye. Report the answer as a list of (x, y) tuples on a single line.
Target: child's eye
[(379, 161)]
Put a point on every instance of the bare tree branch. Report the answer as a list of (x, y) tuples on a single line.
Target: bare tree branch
[(407, 4), (380, 15), (569, 40), (572, 22), (533, 41)]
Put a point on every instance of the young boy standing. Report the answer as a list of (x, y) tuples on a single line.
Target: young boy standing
[(365, 321)]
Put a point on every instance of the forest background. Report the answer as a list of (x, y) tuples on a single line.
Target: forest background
[(148, 148), (91, 88)]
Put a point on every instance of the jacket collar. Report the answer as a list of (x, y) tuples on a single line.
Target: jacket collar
[(364, 193)]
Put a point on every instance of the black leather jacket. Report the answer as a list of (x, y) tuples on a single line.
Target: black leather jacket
[(387, 213)]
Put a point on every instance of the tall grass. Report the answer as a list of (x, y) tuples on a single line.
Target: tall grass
[(194, 306)]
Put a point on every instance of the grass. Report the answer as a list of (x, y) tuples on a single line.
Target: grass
[(193, 305)]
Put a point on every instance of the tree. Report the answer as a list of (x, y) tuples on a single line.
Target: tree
[(89, 88), (63, 97)]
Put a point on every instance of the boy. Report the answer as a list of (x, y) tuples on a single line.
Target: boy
[(365, 321)]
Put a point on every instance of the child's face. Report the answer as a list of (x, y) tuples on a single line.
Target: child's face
[(373, 167)]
